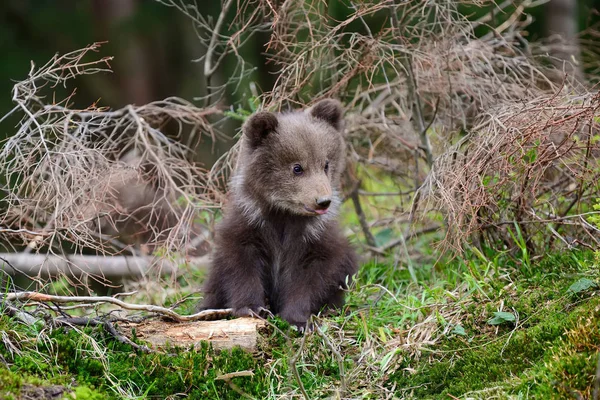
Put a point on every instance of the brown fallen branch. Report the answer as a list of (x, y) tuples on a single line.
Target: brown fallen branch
[(166, 312), (227, 378), (106, 266)]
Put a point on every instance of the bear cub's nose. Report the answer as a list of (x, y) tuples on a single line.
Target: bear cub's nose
[(323, 203)]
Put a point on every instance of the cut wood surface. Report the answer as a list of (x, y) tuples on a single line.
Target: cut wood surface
[(105, 266), (222, 334)]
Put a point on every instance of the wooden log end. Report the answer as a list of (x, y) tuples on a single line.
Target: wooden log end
[(222, 334)]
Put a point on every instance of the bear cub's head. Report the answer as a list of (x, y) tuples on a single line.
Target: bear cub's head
[(292, 162)]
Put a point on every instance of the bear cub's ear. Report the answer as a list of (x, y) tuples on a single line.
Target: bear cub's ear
[(330, 111), (258, 127)]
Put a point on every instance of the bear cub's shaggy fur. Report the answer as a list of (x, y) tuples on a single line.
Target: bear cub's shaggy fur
[(279, 245)]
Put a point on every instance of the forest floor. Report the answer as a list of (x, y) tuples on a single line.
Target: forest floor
[(492, 327)]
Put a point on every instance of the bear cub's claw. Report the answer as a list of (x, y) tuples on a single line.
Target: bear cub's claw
[(253, 311), (303, 327)]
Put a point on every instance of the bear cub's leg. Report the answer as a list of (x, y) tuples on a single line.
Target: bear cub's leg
[(237, 282), (314, 287)]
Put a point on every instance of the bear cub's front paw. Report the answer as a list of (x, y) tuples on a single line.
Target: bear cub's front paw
[(252, 311)]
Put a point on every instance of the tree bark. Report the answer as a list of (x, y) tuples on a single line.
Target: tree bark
[(132, 60), (561, 20)]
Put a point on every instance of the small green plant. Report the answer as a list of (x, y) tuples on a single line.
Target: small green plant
[(242, 114), (501, 317), (582, 285), (521, 242)]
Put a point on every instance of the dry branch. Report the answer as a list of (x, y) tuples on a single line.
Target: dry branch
[(106, 267), (523, 167), (166, 312), (184, 330), (83, 176)]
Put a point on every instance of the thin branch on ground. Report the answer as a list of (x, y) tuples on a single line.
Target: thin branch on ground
[(165, 312), (227, 378), (294, 366)]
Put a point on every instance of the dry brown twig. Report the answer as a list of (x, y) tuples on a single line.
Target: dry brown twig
[(162, 311), (519, 164), (67, 168)]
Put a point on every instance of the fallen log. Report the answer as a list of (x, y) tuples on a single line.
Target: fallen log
[(105, 266), (222, 334)]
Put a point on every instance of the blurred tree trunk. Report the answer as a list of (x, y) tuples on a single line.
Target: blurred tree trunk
[(132, 62), (562, 25)]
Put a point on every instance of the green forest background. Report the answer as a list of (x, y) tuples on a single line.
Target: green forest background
[(154, 47)]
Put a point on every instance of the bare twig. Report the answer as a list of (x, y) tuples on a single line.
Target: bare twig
[(294, 366), (209, 66), (26, 231), (227, 378), (106, 324), (40, 297), (596, 394)]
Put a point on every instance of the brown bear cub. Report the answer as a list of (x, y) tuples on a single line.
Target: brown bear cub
[(279, 245)]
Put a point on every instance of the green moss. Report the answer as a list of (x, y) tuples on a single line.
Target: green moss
[(10, 383), (158, 374), (550, 351), (85, 393), (14, 384), (568, 368), (551, 354), (155, 374)]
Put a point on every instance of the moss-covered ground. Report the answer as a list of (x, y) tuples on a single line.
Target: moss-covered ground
[(492, 327)]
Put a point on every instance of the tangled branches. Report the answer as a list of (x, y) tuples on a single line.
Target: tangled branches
[(224, 38), (66, 170), (526, 175)]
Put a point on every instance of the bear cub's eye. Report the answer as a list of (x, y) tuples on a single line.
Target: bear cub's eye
[(298, 169), (326, 166)]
